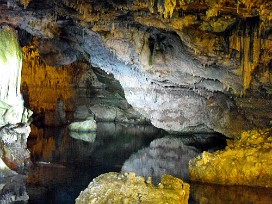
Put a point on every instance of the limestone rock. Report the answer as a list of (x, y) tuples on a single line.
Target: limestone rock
[(82, 112), (13, 190), (128, 188), (245, 161), (83, 126), (14, 117), (14, 150), (12, 110), (56, 53), (182, 64)]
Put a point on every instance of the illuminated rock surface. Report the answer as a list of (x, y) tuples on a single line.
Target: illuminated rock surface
[(184, 65), (83, 126), (129, 188), (12, 109), (245, 161), (14, 117), (72, 92)]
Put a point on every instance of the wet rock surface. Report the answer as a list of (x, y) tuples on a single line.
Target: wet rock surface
[(14, 117), (245, 161), (129, 188)]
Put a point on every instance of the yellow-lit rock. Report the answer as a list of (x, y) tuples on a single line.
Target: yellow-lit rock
[(245, 161), (43, 85), (129, 188)]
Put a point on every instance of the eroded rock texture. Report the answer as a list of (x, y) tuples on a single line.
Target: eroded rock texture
[(245, 161), (72, 92), (185, 65), (129, 188), (14, 128)]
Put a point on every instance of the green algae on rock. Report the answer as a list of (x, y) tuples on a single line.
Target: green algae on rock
[(128, 188), (245, 161)]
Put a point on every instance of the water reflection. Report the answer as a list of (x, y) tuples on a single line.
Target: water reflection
[(13, 189), (171, 155), (84, 136), (211, 194), (63, 166), (163, 156)]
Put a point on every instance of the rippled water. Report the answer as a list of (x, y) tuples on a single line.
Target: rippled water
[(63, 165)]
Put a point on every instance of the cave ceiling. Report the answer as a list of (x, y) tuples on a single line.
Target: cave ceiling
[(209, 59)]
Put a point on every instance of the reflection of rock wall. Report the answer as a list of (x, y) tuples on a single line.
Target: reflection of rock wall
[(205, 193), (118, 188), (163, 156), (245, 161)]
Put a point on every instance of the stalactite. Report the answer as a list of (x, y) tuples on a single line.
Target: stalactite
[(46, 83), (25, 2)]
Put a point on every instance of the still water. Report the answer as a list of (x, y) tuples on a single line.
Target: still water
[(63, 165)]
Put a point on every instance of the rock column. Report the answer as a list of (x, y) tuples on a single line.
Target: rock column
[(14, 129)]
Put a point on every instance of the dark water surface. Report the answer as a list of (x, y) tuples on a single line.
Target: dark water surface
[(64, 166)]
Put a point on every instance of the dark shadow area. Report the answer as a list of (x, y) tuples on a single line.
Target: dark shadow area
[(64, 166)]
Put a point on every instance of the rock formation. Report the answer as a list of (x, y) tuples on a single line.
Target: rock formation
[(14, 117), (129, 188), (245, 161), (88, 125), (184, 65), (72, 92)]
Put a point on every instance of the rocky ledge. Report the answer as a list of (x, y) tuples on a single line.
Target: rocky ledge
[(118, 188), (245, 161)]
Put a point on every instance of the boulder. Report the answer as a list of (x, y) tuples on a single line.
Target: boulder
[(88, 125), (245, 161), (119, 188)]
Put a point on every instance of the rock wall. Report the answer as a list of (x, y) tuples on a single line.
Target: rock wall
[(244, 162), (58, 95), (185, 65), (14, 117)]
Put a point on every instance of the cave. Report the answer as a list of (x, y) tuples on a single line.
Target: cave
[(155, 97)]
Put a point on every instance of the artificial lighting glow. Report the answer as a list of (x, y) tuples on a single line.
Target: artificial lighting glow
[(10, 75)]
